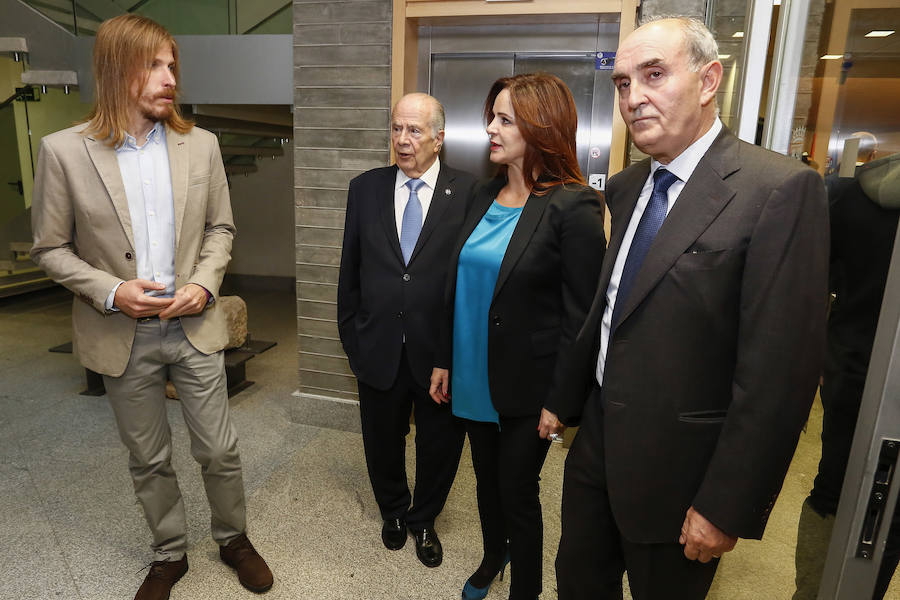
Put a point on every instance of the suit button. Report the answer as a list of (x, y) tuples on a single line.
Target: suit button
[(496, 319), (128, 256), (406, 277)]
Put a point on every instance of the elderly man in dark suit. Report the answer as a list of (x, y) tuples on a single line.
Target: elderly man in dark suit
[(402, 222), (699, 359)]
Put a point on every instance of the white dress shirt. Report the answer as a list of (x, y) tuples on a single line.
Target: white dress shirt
[(425, 192), (682, 167), (148, 188)]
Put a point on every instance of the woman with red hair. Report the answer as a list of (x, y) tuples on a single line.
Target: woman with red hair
[(524, 274)]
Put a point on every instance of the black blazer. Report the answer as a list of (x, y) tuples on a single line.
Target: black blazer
[(717, 352), (543, 291), (380, 300)]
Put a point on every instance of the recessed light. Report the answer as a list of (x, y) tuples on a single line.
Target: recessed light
[(724, 56), (880, 33), (831, 56), (738, 34)]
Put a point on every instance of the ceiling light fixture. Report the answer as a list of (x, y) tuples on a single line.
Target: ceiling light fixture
[(831, 56), (738, 34), (877, 33)]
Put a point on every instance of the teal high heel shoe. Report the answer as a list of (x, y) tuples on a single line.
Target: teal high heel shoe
[(470, 592)]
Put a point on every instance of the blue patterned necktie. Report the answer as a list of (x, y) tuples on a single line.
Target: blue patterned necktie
[(649, 225), (412, 220)]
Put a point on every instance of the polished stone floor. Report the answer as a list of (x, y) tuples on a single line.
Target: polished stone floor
[(70, 527)]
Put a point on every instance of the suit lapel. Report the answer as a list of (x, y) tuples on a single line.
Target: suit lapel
[(704, 196), (179, 165), (440, 202), (528, 222), (104, 158), (384, 193)]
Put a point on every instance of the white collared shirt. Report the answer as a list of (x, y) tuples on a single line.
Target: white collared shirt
[(148, 189), (425, 192), (682, 167)]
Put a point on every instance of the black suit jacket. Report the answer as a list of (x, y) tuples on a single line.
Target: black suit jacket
[(715, 359), (380, 300), (544, 289)]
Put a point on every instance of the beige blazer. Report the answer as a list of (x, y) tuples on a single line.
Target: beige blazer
[(83, 236)]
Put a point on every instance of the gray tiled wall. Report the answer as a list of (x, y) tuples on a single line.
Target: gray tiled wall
[(341, 114)]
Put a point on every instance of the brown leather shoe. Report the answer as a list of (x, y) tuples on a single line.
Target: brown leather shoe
[(252, 570), (162, 576)]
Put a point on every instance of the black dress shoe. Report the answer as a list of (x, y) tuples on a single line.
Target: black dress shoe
[(428, 547), (393, 534)]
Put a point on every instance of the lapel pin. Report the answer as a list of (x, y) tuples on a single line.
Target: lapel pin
[(447, 191)]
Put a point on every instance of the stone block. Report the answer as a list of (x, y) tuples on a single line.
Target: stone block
[(317, 310), (319, 197), (367, 97), (328, 381), (344, 54), (326, 408), (316, 345), (235, 310), (320, 328), (346, 12), (319, 236), (316, 291), (321, 217), (370, 33), (325, 364), (359, 160), (317, 255), (342, 118), (342, 75), (320, 33), (317, 273), (355, 139), (324, 178)]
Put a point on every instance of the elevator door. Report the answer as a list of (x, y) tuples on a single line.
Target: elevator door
[(462, 81)]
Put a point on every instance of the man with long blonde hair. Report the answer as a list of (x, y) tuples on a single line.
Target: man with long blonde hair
[(131, 212)]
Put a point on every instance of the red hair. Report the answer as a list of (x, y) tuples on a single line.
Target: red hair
[(123, 50), (546, 117)]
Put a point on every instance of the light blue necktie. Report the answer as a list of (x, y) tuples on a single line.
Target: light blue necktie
[(412, 220), (649, 225)]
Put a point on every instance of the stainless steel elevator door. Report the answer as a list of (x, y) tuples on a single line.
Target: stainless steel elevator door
[(462, 81)]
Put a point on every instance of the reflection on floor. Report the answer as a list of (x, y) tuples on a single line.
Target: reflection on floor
[(71, 528)]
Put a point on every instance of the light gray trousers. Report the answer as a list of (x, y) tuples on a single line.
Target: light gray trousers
[(160, 352)]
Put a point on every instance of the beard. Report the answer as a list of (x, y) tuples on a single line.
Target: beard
[(153, 111)]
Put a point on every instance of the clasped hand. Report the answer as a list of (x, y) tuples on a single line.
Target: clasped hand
[(702, 540), (132, 300)]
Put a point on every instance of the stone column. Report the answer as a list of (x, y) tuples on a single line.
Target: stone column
[(342, 80)]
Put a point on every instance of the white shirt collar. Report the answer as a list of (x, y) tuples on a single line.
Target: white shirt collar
[(684, 164), (429, 177), (155, 136)]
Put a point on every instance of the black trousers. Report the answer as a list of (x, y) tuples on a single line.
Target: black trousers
[(508, 462), (593, 555), (384, 415)]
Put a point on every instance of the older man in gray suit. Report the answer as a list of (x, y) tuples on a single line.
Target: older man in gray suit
[(131, 212)]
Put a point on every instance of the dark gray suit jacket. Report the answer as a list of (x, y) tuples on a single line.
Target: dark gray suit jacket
[(380, 300), (716, 355)]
